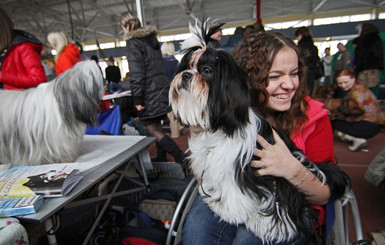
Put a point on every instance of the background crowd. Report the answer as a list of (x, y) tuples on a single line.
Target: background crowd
[(277, 67), (26, 62)]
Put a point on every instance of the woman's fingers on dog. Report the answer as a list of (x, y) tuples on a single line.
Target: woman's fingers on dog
[(262, 141), (277, 138), (260, 167), (258, 164), (257, 152), (278, 156)]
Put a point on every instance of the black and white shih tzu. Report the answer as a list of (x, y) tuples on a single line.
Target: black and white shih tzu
[(46, 124), (211, 91)]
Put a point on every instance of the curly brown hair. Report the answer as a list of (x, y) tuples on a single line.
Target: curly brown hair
[(255, 54)]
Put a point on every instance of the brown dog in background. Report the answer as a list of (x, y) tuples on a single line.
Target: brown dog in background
[(339, 108)]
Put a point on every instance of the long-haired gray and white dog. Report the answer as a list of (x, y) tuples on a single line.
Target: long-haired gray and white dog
[(46, 124)]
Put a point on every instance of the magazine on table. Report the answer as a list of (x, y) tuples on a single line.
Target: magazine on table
[(50, 180)]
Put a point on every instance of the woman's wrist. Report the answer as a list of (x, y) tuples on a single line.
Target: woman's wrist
[(299, 175), (303, 179)]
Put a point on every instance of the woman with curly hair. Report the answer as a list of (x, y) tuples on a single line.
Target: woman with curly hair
[(278, 92), (278, 89)]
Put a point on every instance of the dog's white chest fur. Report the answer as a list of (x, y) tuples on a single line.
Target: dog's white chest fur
[(213, 161)]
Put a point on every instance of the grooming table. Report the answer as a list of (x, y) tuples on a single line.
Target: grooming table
[(100, 156)]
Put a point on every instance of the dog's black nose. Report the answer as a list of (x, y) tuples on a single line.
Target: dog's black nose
[(186, 77)]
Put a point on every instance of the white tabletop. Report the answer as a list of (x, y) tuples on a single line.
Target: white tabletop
[(117, 95), (97, 149)]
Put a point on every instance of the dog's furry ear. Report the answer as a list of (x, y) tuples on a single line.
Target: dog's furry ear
[(230, 99), (184, 62), (78, 92)]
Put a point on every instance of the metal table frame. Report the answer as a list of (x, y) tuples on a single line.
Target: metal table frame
[(136, 154)]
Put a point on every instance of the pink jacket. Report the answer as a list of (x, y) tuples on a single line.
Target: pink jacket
[(315, 138)]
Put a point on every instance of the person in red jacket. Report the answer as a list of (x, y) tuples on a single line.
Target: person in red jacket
[(67, 53), (20, 57)]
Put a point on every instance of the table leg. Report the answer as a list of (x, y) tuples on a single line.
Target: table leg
[(107, 202), (50, 228), (142, 168)]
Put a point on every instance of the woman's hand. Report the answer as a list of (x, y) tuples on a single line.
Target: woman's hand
[(276, 160), (140, 107)]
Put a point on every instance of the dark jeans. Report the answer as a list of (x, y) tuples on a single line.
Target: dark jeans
[(114, 87), (361, 129), (127, 108), (203, 227)]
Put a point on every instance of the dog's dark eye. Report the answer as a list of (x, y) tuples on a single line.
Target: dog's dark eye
[(205, 70)]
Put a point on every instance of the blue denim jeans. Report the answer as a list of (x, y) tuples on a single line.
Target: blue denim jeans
[(114, 87), (203, 227)]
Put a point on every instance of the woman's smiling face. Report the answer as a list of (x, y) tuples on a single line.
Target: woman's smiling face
[(283, 80)]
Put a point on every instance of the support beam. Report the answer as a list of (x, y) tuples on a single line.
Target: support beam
[(139, 11), (319, 6), (258, 9)]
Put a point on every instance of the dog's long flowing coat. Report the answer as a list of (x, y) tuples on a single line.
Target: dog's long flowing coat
[(47, 124), (211, 91)]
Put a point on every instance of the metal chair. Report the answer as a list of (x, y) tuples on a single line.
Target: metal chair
[(174, 234), (340, 231)]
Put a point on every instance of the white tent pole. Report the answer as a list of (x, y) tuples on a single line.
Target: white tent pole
[(139, 11)]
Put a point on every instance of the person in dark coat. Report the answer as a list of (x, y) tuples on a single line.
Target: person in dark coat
[(113, 76), (148, 81), (169, 60), (309, 54), (170, 66), (369, 59), (234, 39), (215, 36)]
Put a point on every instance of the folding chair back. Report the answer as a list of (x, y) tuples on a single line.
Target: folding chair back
[(174, 235), (340, 230)]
